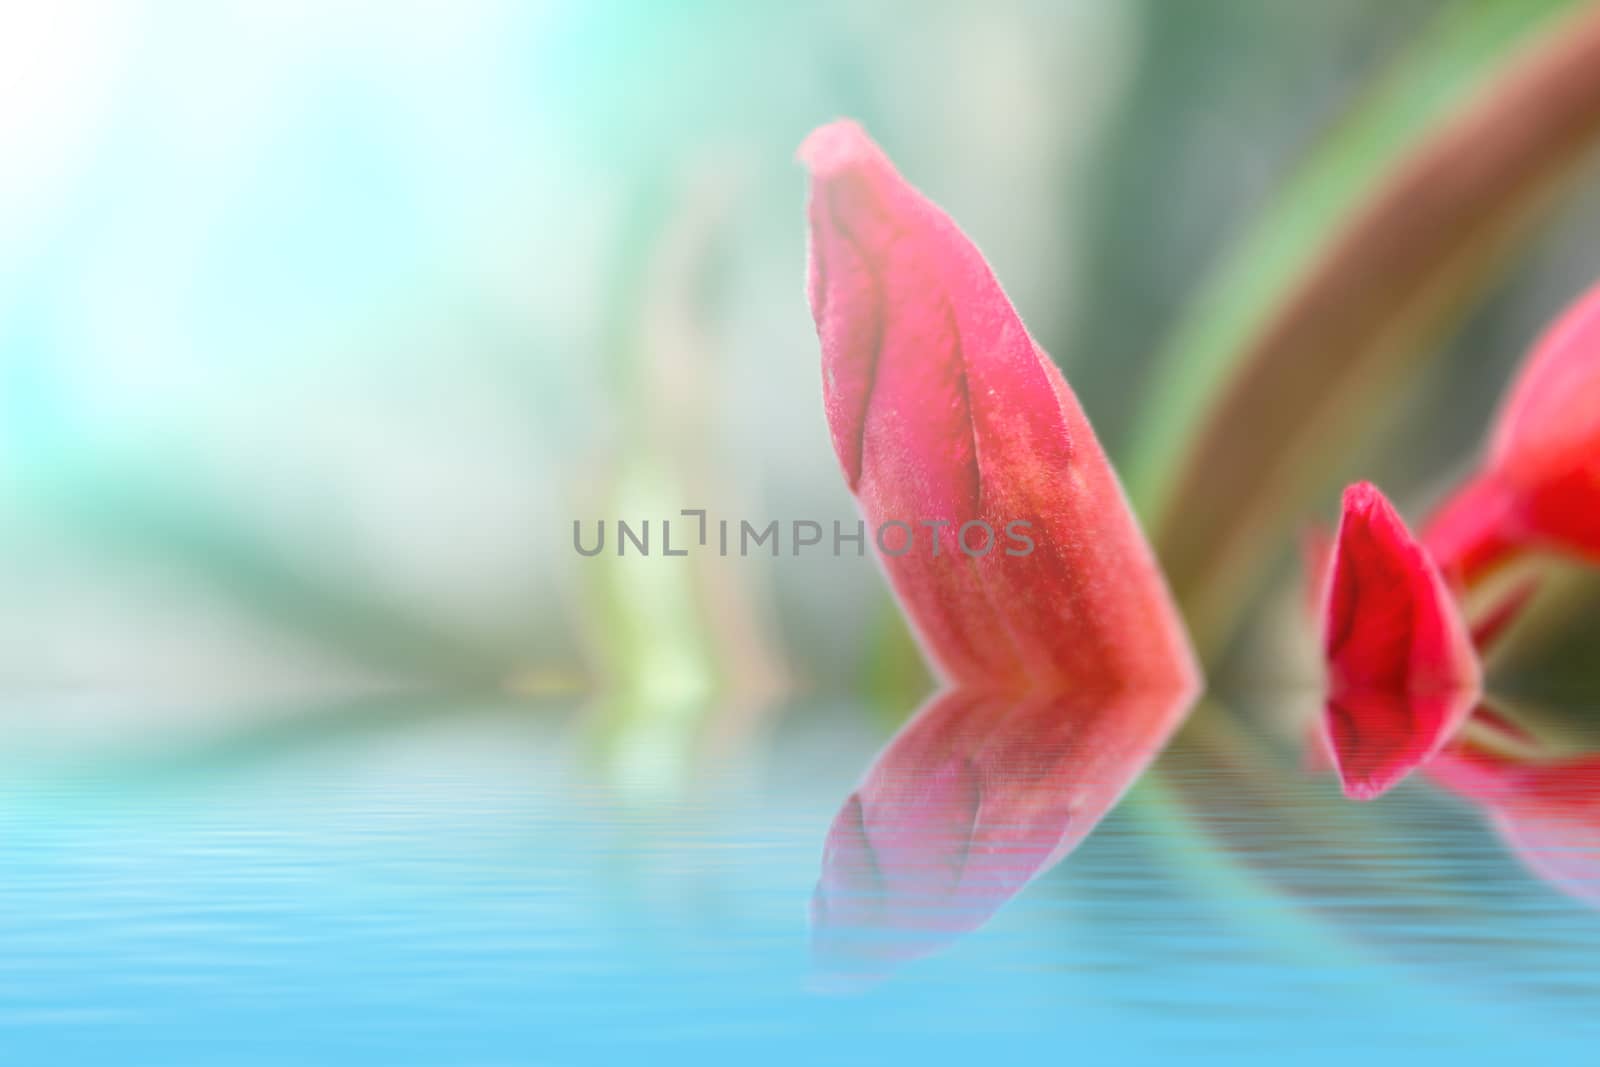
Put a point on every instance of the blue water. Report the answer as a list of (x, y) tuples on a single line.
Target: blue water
[(462, 883)]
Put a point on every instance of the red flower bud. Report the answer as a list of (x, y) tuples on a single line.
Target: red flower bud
[(943, 410), (1402, 674)]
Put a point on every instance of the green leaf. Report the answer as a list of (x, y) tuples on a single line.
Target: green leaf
[(1376, 245)]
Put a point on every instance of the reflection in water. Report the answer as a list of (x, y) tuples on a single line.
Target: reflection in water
[(1545, 807), (1544, 804), (449, 884), (976, 796), (1375, 736)]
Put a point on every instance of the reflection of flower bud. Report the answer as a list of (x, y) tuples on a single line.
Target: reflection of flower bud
[(978, 795), (1546, 809), (1539, 486), (941, 406), (1402, 674)]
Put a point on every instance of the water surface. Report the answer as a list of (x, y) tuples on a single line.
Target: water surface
[(460, 882)]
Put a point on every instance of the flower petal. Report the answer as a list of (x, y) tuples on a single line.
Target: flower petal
[(1551, 417), (946, 417), (1540, 483), (1402, 674)]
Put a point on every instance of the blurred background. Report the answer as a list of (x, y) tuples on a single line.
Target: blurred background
[(320, 324)]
